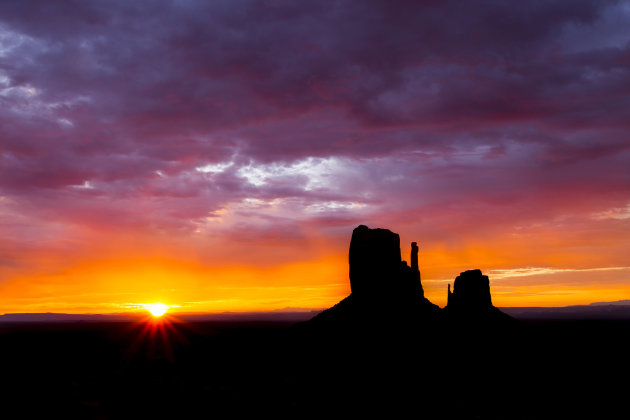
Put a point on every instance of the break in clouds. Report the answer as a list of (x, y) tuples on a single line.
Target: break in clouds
[(271, 119)]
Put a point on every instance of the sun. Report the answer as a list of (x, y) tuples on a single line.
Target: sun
[(156, 309)]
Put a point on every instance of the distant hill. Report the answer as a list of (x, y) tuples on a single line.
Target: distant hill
[(625, 302), (283, 315), (617, 310), (604, 311), (61, 317), (290, 315)]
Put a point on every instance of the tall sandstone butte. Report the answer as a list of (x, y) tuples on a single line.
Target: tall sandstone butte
[(384, 288), (377, 269), (471, 300)]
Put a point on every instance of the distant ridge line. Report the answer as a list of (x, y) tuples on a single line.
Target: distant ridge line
[(51, 317), (604, 311), (597, 310)]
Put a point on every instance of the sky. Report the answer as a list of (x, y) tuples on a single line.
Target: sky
[(215, 156)]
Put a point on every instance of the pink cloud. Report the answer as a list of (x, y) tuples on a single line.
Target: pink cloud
[(451, 120)]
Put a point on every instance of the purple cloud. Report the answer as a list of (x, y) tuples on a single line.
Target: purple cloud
[(454, 119)]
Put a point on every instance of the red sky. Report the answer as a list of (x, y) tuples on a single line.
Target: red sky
[(217, 155)]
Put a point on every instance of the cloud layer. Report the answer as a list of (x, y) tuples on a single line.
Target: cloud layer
[(197, 128)]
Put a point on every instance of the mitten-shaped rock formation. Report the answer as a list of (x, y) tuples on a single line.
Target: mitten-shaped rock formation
[(383, 285), (471, 291), (385, 290), (471, 299), (377, 269)]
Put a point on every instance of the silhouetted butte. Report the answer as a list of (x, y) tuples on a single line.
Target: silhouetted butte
[(383, 286), (470, 300)]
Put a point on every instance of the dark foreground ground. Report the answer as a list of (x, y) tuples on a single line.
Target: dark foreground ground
[(536, 370)]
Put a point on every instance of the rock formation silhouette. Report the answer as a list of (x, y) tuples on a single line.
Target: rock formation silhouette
[(471, 300), (376, 267), (384, 288), (471, 291), (390, 347)]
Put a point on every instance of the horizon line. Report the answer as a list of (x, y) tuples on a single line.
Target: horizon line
[(287, 311)]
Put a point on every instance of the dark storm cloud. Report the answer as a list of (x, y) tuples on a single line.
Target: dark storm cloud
[(104, 105)]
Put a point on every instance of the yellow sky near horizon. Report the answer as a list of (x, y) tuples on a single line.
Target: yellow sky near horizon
[(121, 285)]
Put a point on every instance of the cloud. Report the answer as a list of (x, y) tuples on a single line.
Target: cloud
[(619, 213), (301, 120), (538, 271)]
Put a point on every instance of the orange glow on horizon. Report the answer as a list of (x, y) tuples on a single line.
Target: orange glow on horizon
[(116, 285)]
